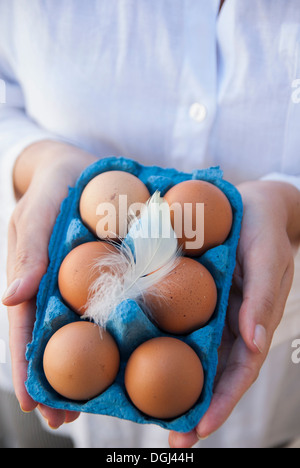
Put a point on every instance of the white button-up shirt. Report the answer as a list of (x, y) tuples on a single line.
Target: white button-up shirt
[(173, 83), (169, 83)]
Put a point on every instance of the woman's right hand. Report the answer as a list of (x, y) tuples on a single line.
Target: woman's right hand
[(42, 176)]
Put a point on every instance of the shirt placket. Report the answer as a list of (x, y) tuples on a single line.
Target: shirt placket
[(197, 98)]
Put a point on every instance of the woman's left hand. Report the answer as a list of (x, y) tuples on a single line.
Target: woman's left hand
[(261, 285)]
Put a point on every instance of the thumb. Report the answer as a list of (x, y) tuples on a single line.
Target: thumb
[(27, 262), (267, 282)]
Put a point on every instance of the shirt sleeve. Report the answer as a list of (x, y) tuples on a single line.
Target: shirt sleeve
[(277, 176), (17, 129)]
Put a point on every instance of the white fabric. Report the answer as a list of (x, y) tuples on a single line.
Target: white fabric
[(276, 176), (168, 83)]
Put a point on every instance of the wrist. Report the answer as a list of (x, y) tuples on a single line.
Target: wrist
[(293, 226), (281, 202), (44, 156)]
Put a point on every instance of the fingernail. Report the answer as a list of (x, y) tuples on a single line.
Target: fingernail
[(199, 437), (52, 427), (24, 411), (202, 438), (260, 338), (11, 290)]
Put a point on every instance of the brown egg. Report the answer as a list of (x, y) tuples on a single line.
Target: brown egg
[(218, 216), (77, 273), (103, 203), (164, 377), (81, 361), (184, 300)]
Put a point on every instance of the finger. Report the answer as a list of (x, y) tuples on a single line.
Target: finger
[(267, 282), (54, 417), (178, 440), (71, 416), (11, 244), (27, 261), (21, 320)]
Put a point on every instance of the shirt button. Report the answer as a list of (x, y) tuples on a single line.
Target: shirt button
[(198, 112)]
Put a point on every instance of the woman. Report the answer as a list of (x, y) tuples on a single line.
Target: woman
[(190, 85)]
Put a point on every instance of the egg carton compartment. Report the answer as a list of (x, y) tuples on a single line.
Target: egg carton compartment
[(128, 324)]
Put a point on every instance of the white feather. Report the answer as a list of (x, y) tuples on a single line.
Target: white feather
[(132, 270)]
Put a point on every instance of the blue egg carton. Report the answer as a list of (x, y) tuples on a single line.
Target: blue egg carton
[(128, 323)]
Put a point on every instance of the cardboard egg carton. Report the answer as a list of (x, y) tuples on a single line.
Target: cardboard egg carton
[(128, 324)]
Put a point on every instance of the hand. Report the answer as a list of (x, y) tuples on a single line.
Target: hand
[(261, 285), (42, 176)]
